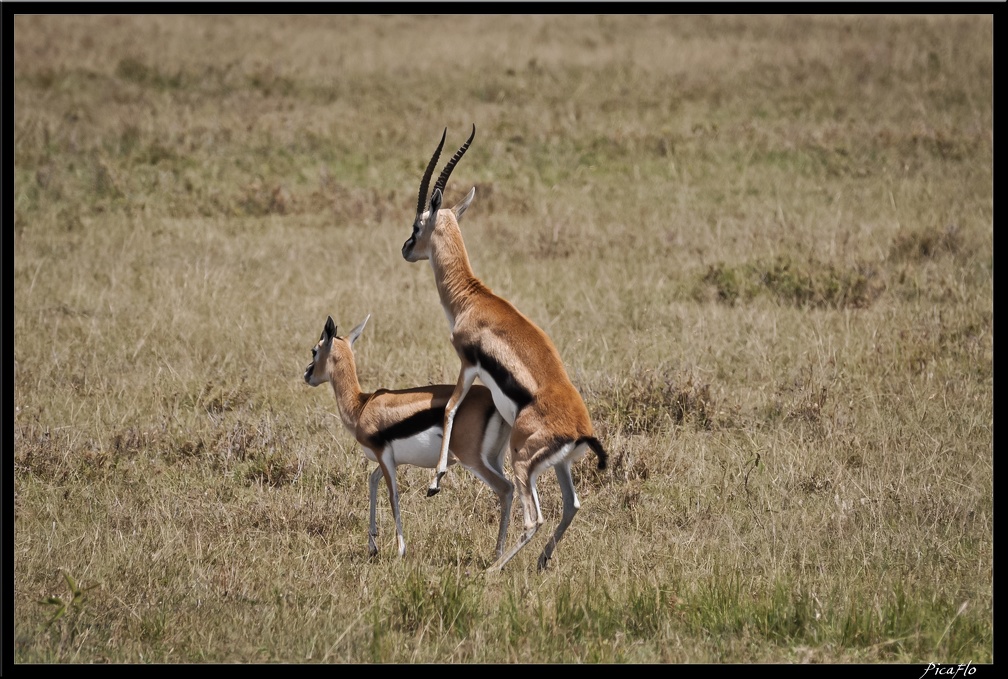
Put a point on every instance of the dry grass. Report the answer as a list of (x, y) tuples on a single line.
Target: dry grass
[(763, 246)]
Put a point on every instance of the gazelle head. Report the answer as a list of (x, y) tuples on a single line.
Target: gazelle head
[(418, 245), (331, 351)]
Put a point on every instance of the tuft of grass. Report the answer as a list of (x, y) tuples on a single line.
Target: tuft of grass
[(449, 605), (651, 401), (810, 284), (922, 244)]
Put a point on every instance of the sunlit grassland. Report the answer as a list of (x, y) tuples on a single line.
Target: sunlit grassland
[(762, 245)]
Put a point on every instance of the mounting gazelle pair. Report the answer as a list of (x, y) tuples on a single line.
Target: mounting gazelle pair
[(528, 406)]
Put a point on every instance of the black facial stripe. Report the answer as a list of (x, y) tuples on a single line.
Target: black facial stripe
[(513, 389), (412, 425)]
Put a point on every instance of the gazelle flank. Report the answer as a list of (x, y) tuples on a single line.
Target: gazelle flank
[(405, 426), (511, 355)]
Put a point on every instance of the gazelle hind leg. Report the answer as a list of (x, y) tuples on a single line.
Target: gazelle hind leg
[(505, 520), (498, 480), (505, 496), (373, 482), (533, 518), (504, 489), (570, 508)]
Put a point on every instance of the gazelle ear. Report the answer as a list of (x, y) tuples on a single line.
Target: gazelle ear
[(356, 332), (464, 203), (435, 205), (329, 331)]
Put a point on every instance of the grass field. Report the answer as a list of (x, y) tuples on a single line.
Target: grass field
[(763, 246)]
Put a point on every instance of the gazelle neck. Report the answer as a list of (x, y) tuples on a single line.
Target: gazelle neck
[(350, 399), (453, 275)]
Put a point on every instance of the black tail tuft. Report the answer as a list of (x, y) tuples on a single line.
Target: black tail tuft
[(596, 446)]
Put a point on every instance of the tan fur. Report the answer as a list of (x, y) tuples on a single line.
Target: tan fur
[(478, 444), (553, 429)]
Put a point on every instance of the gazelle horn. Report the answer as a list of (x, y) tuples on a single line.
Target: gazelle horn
[(422, 198), (446, 172)]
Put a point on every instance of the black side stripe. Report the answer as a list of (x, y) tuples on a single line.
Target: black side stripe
[(412, 425), (513, 389)]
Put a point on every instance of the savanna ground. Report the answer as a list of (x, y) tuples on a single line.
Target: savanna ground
[(763, 246)]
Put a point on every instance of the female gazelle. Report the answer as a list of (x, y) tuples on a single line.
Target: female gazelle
[(511, 355), (405, 426)]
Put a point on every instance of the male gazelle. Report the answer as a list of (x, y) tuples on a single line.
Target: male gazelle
[(405, 426), (511, 355)]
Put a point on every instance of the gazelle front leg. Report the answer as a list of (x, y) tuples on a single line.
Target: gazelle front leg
[(465, 380), (386, 463)]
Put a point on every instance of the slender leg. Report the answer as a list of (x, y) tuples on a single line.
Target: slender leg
[(505, 494), (493, 475), (387, 466), (504, 489), (489, 469), (505, 520), (465, 380), (526, 485), (570, 508), (375, 477)]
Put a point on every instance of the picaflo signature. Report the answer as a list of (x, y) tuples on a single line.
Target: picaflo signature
[(949, 671)]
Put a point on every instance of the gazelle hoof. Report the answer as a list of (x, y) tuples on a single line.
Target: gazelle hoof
[(435, 485)]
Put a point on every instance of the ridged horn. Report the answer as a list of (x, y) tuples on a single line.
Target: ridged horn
[(446, 172), (425, 182)]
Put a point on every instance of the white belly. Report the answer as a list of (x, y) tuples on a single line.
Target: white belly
[(421, 450), (507, 408)]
